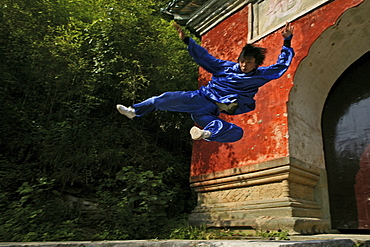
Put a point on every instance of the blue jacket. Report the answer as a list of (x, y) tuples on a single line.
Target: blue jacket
[(229, 84)]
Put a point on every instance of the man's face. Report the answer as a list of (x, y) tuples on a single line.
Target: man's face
[(247, 64)]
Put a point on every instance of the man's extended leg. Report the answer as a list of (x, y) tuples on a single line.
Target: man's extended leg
[(181, 101), (203, 111), (222, 131)]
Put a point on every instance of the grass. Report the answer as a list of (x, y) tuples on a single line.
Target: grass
[(187, 231)]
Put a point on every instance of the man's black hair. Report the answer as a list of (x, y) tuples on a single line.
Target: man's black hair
[(252, 51)]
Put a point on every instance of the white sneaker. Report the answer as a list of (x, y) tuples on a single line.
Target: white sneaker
[(127, 111), (198, 134)]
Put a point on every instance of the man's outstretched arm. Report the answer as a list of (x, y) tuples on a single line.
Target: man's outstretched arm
[(285, 58), (200, 55), (287, 33)]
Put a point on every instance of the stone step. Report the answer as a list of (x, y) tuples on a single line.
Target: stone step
[(322, 240)]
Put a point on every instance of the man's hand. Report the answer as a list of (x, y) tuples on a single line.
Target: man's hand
[(179, 30), (287, 30)]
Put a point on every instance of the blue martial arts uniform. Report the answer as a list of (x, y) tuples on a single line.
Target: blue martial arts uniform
[(229, 85)]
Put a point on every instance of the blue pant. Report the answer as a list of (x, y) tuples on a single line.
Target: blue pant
[(203, 111)]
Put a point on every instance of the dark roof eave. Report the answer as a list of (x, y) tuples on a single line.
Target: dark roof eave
[(206, 16)]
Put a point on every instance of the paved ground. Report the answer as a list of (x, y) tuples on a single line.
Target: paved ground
[(322, 240)]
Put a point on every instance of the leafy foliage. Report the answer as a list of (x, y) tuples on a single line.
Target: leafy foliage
[(71, 167), (186, 231), (274, 235)]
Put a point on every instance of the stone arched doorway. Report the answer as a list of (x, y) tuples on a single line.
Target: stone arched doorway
[(332, 53), (346, 136)]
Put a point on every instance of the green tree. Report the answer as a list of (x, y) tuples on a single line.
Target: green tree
[(65, 65)]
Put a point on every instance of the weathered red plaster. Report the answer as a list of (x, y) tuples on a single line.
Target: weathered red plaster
[(265, 128)]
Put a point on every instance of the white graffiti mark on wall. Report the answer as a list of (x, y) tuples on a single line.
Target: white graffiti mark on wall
[(269, 15), (277, 9)]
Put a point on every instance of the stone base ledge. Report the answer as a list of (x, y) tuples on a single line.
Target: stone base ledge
[(294, 225), (295, 216), (273, 195), (277, 203)]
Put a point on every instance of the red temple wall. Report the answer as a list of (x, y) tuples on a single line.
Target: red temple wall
[(266, 128)]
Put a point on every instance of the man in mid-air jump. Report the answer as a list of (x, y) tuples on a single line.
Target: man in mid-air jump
[(231, 90)]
